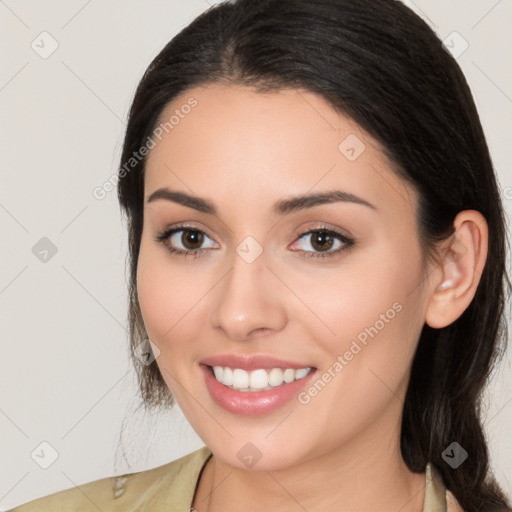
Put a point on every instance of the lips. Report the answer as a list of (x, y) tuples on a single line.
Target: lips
[(255, 402), (249, 363)]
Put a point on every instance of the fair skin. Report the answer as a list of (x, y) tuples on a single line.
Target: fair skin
[(243, 151)]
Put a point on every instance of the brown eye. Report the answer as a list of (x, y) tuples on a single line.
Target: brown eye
[(185, 241), (324, 243), (321, 240), (192, 239)]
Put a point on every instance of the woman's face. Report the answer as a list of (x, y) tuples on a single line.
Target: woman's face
[(268, 294)]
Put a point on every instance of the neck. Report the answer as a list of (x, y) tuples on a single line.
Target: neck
[(363, 475)]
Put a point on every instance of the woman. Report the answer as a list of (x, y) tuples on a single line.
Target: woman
[(310, 200)]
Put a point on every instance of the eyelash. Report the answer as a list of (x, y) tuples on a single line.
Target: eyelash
[(196, 253)]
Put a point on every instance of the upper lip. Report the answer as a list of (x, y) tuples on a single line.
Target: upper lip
[(249, 363)]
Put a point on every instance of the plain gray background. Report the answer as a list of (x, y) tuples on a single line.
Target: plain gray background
[(65, 375)]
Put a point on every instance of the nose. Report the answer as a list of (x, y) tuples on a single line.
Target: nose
[(249, 301)]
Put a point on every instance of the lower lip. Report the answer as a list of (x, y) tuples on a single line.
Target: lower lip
[(252, 403)]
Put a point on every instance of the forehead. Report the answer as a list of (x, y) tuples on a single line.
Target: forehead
[(236, 142)]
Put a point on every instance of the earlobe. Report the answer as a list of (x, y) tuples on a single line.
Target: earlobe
[(459, 270)]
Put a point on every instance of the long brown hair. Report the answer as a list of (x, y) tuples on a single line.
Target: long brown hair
[(380, 64)]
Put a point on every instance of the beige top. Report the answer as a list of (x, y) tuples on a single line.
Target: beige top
[(171, 487)]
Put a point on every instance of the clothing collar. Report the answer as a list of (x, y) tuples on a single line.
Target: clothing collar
[(435, 490)]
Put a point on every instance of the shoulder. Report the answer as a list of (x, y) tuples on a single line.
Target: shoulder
[(169, 485)]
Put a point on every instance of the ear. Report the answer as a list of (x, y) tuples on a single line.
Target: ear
[(455, 280)]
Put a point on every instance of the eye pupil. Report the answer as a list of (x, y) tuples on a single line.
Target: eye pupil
[(192, 237), (321, 240)]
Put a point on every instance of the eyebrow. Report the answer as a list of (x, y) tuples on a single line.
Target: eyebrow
[(280, 208)]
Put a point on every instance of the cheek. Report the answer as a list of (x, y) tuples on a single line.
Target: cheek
[(166, 306), (163, 294), (373, 301), (376, 322)]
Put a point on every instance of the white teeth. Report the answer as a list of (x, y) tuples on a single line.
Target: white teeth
[(302, 372), (275, 377), (289, 375), (240, 379), (218, 371), (227, 376), (257, 380)]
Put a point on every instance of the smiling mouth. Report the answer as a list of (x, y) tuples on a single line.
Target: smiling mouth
[(257, 380)]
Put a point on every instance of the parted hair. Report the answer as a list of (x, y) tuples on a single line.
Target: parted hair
[(381, 65)]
